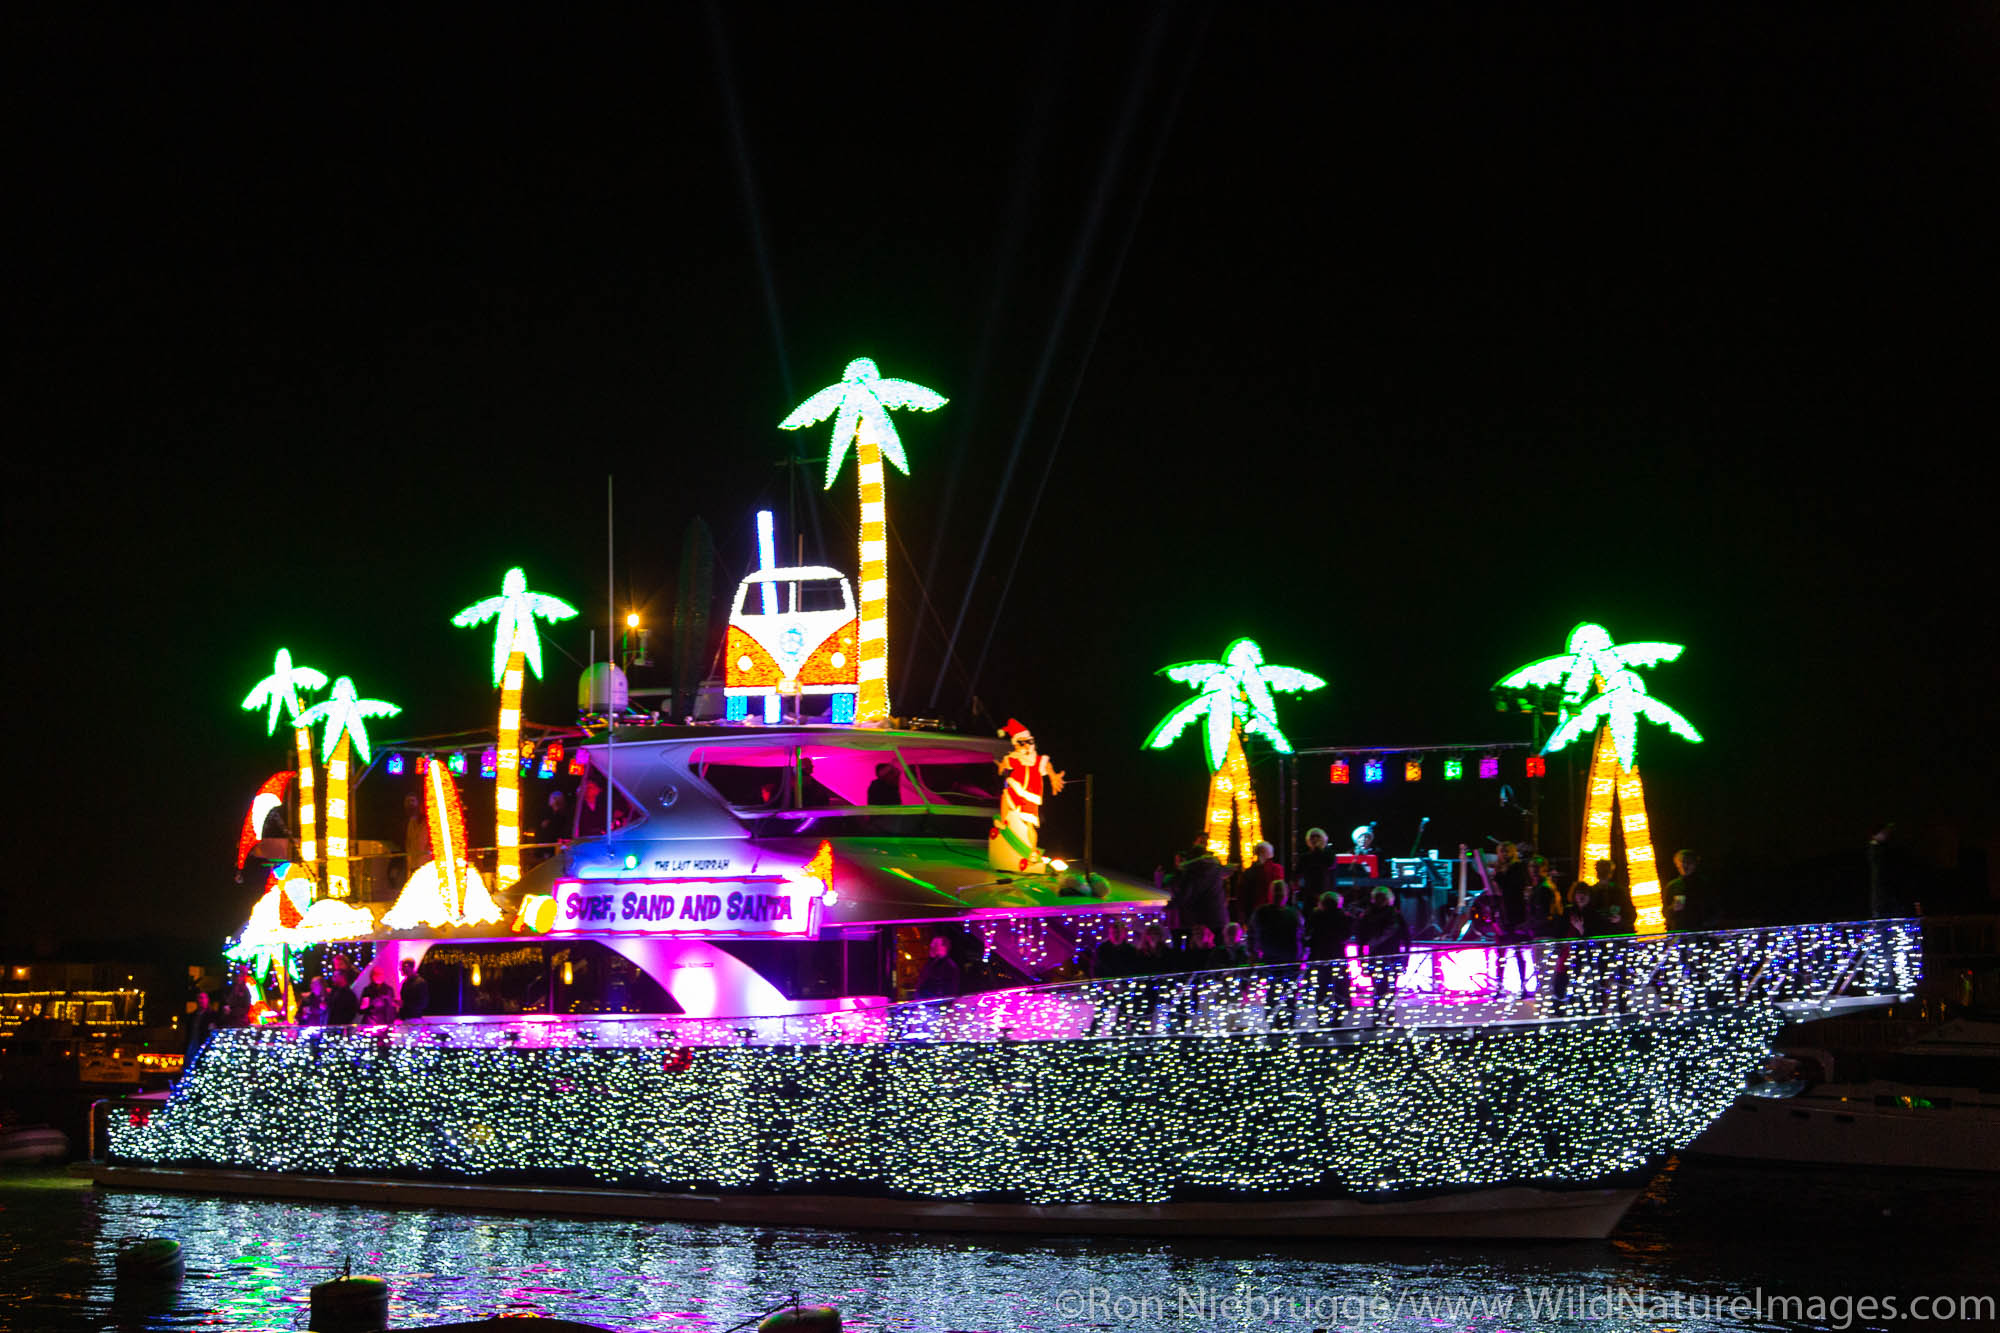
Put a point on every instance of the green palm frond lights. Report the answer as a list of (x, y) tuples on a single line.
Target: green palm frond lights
[(1592, 655), (1621, 697), (861, 403), (281, 689), (1237, 689), (1621, 704), (342, 712), (516, 608)]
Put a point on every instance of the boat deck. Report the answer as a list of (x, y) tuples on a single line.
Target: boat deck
[(1803, 971)]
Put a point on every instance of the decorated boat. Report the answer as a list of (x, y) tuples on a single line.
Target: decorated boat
[(802, 963), (699, 1009)]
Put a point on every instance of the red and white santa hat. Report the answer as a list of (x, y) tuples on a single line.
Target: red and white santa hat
[(1014, 731)]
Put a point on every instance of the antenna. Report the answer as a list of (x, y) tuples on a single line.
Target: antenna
[(610, 637)]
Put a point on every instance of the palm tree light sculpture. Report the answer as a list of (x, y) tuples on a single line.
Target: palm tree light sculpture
[(859, 406), (1234, 701), (341, 724), (278, 690), (1594, 662), (515, 644)]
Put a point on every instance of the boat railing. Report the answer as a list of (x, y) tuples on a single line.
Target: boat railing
[(1794, 971)]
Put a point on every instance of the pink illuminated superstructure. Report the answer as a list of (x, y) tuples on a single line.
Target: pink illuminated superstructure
[(739, 872)]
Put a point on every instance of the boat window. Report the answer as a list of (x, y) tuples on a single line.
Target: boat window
[(837, 776), (487, 979), (590, 805), (747, 775), (818, 969), (955, 775), (977, 971), (591, 979)]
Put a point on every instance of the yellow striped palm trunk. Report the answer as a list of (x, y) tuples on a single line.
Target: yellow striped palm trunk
[(1613, 790), (1600, 796), (1647, 918), (308, 803), (872, 704), (337, 882), (1231, 797), (507, 791)]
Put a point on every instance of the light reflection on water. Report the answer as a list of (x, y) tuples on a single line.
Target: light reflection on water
[(1702, 1230)]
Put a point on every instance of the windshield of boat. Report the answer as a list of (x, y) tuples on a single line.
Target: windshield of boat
[(955, 775)]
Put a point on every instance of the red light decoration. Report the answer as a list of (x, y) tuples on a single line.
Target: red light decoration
[(268, 797), (1537, 766), (1340, 772)]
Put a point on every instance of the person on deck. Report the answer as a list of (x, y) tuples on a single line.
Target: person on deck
[(939, 980), (312, 1004), (1315, 868), (1688, 902), (1199, 890), (1328, 928), (379, 999), (1202, 954), (1363, 838), (1386, 937), (343, 1007), (556, 825), (236, 1004), (1510, 882), (1276, 929), (1253, 886), (1605, 899), (1114, 956), (1235, 946), (415, 997), (1545, 900), (200, 1023), (887, 786), (1583, 918)]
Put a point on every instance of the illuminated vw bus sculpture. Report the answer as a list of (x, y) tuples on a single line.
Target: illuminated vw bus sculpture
[(792, 633)]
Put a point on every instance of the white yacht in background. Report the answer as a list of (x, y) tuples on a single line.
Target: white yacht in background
[(1938, 1111)]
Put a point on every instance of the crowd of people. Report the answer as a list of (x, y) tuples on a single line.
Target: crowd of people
[(336, 998), (1219, 918)]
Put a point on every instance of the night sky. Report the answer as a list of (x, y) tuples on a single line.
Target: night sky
[(1397, 340)]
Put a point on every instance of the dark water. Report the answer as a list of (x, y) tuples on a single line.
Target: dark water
[(1706, 1234)]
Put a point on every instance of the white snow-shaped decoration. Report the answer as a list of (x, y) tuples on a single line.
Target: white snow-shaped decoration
[(425, 900)]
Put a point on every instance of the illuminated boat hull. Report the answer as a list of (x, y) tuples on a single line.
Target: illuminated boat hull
[(1275, 1100), (1462, 1132)]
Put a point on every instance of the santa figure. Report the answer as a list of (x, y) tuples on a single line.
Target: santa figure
[(1012, 845)]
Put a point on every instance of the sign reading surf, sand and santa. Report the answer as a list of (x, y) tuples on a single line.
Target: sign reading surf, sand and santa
[(774, 909)]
